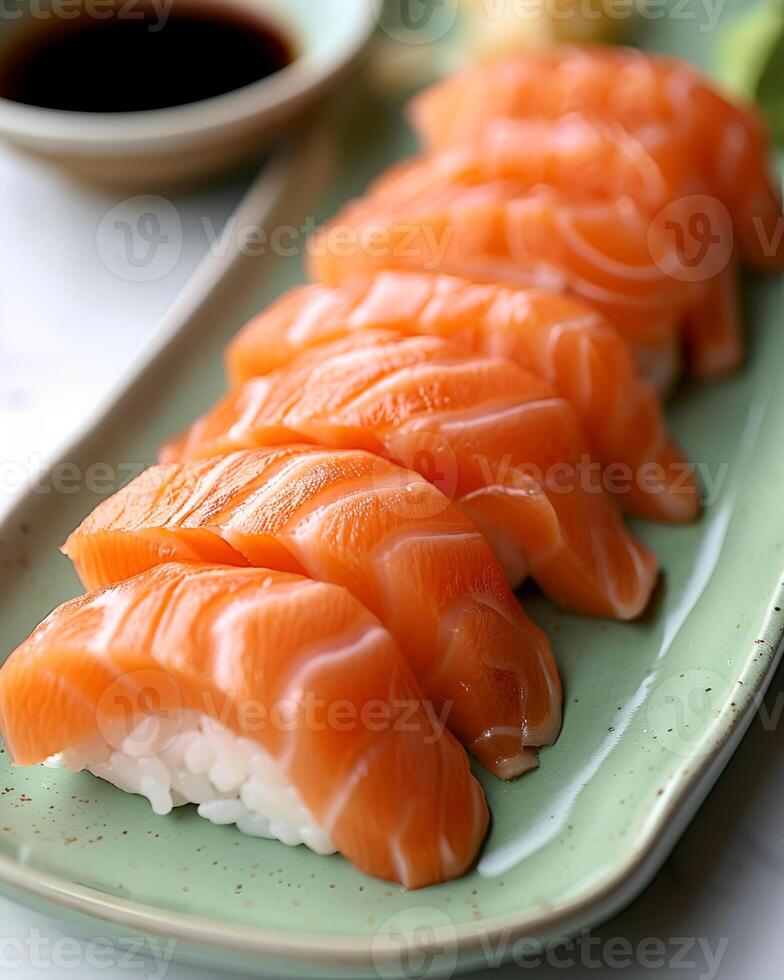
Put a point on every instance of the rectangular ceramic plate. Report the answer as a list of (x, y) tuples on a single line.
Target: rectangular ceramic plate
[(653, 710)]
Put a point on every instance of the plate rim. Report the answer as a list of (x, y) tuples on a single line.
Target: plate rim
[(616, 884), (615, 887)]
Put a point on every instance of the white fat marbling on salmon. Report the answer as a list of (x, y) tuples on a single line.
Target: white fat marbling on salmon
[(490, 415), (212, 478), (320, 305), (254, 395), (386, 302), (226, 630), (113, 606)]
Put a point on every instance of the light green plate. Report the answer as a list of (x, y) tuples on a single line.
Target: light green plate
[(653, 710)]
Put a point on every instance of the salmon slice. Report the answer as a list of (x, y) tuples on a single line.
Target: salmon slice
[(493, 436), (398, 800), (585, 159), (655, 98), (588, 161), (558, 339), (386, 534), (608, 254), (713, 331)]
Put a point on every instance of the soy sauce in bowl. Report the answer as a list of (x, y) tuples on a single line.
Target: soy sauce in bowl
[(141, 57)]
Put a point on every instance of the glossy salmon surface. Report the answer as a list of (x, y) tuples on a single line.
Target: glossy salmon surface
[(390, 537), (398, 800), (656, 98), (563, 341), (496, 438), (436, 214)]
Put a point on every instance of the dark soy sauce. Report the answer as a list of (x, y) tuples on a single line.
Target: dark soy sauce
[(136, 60)]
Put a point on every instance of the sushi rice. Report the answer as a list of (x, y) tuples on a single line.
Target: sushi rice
[(190, 757)]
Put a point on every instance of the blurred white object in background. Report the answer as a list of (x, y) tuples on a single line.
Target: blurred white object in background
[(83, 271), (495, 29)]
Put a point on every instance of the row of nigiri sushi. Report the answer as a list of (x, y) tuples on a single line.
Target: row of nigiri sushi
[(403, 443), (621, 179)]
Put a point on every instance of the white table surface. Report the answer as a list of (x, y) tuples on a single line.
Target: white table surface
[(66, 288)]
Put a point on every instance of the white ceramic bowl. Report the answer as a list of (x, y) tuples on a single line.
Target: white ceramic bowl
[(191, 142)]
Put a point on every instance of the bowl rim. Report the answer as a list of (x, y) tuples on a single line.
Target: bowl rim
[(137, 132)]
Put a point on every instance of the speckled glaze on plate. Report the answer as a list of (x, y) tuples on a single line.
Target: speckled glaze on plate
[(653, 710)]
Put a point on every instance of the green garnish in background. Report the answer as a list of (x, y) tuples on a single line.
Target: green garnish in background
[(751, 59)]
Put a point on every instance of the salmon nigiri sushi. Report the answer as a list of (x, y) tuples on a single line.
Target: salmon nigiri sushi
[(558, 339), (606, 253), (654, 97), (588, 160), (198, 684), (496, 438), (389, 536)]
